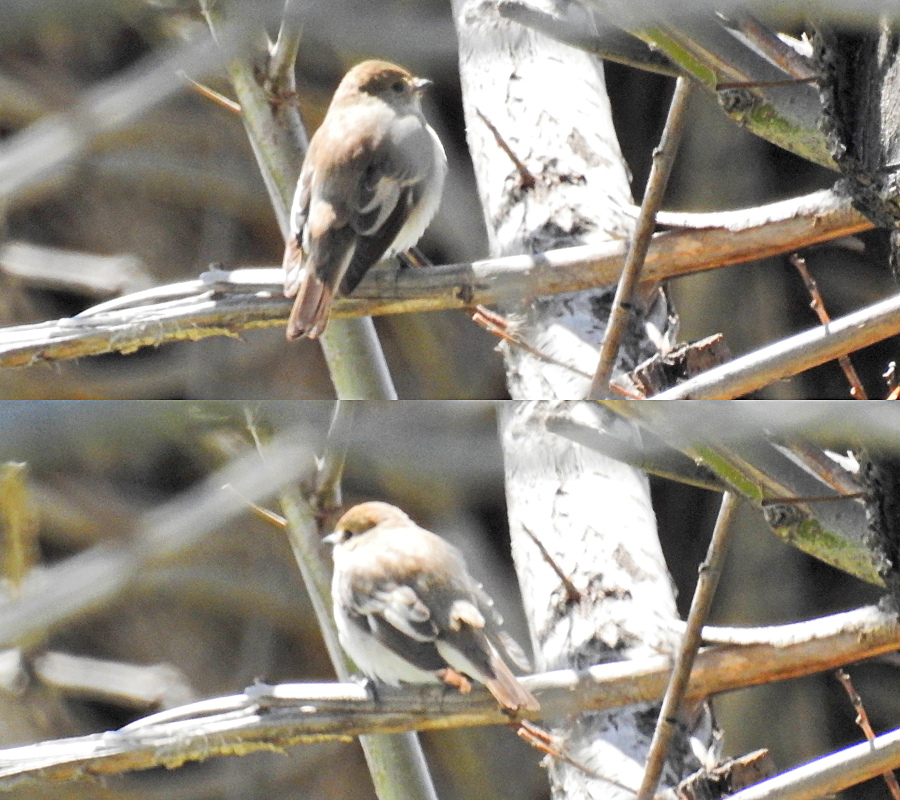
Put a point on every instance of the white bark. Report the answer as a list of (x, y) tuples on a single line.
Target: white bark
[(594, 517), (548, 104)]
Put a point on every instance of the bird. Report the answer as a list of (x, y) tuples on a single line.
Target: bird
[(370, 183), (408, 611)]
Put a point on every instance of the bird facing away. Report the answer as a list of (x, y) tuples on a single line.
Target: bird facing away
[(407, 610), (370, 184)]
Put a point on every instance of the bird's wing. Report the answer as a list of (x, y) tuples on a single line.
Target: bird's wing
[(401, 607), (293, 254), (494, 629), (390, 187), (398, 619)]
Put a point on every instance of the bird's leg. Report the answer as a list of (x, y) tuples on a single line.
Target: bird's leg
[(413, 257), (369, 685), (457, 680)]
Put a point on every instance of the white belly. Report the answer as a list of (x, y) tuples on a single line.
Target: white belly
[(427, 207), (376, 660)]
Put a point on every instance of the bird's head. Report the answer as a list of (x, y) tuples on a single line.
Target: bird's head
[(363, 518), (385, 81)]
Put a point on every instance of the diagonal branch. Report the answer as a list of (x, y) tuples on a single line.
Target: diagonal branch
[(639, 243), (793, 355), (40, 154)]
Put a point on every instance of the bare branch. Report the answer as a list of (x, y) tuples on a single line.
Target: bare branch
[(710, 572), (227, 303), (793, 355), (267, 717), (639, 243)]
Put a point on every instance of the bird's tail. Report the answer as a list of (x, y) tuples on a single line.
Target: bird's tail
[(309, 316), (507, 690)]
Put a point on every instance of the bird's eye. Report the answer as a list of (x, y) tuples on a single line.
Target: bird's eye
[(398, 86)]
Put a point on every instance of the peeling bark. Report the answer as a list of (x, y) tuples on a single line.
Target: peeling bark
[(550, 174)]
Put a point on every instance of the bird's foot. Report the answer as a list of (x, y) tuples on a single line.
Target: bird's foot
[(413, 257), (457, 680), (370, 685)]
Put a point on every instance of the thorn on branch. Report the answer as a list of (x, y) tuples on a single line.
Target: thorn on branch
[(526, 178), (573, 593), (817, 304), (212, 94), (862, 719)]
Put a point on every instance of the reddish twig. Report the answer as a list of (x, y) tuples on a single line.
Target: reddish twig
[(526, 178), (818, 305), (547, 743), (862, 719), (498, 325), (573, 594)]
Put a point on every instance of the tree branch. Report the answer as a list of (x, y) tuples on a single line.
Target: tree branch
[(40, 154), (793, 355), (274, 717), (356, 363), (227, 303)]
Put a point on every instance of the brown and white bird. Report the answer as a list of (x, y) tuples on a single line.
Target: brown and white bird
[(407, 610), (370, 184)]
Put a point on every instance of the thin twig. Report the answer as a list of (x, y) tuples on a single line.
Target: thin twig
[(832, 498), (327, 493), (792, 355), (526, 179), (573, 593), (862, 719), (498, 325), (710, 571), (211, 94), (545, 742), (283, 53), (263, 513), (825, 468), (663, 159), (762, 84), (491, 322), (772, 46), (817, 304)]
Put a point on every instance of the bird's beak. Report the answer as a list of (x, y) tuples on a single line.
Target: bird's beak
[(421, 84), (333, 538)]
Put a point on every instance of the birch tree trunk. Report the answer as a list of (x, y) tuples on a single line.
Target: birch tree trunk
[(550, 174)]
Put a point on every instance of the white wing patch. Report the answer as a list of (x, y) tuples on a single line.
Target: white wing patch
[(402, 608), (462, 612)]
